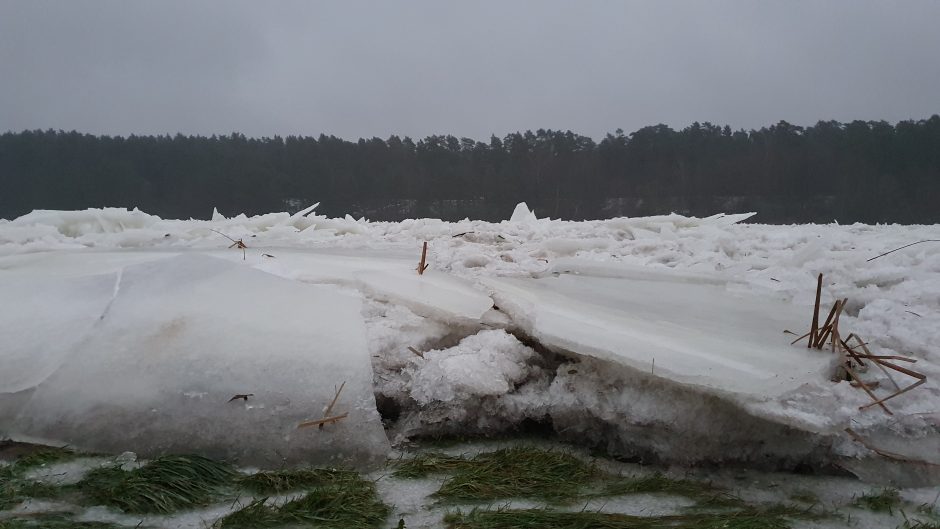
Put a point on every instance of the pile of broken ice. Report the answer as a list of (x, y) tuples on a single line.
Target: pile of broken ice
[(125, 332)]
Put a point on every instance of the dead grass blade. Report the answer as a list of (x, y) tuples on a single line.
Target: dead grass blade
[(868, 390), (921, 378), (814, 326), (327, 419), (422, 265), (883, 453), (901, 248), (324, 421), (236, 243)]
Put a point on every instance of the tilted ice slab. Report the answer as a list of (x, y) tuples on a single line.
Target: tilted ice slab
[(147, 358), (435, 295), (688, 329), (75, 263), (387, 277), (384, 275)]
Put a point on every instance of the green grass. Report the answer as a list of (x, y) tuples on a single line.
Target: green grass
[(14, 488), (656, 483), (423, 465), (707, 495), (885, 500), (344, 500), (748, 518), (256, 514), (919, 524), (164, 485), (335, 498), (53, 521), (280, 481), (550, 475), (717, 500), (42, 457), (522, 472), (805, 496)]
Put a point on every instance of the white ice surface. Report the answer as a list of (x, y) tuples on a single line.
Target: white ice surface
[(692, 333), (894, 301), (433, 294), (522, 213), (385, 276), (43, 321), (153, 370), (490, 363)]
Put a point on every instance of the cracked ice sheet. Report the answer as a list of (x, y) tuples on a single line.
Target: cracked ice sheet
[(42, 320), (693, 333), (385, 276), (181, 337)]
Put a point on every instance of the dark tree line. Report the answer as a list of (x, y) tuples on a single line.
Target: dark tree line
[(858, 171)]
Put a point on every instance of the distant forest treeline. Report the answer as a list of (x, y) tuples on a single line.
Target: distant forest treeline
[(858, 171)]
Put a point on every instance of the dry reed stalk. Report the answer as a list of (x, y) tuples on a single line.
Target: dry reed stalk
[(235, 243), (921, 378), (887, 357), (901, 248), (883, 453), (836, 337), (320, 423), (801, 337), (327, 419), (817, 337), (882, 363), (864, 347), (827, 326), (329, 408), (867, 390), (422, 265), (815, 324), (850, 355), (856, 346)]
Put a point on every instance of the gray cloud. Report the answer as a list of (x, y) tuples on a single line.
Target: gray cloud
[(416, 68)]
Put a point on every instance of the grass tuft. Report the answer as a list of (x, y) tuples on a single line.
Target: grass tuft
[(13, 492), (656, 483), (343, 500), (749, 518), (717, 500), (705, 494), (885, 500), (279, 481), (521, 472), (45, 456), (14, 489), (256, 514), (919, 524), (423, 465), (164, 485), (53, 521), (805, 496), (550, 475)]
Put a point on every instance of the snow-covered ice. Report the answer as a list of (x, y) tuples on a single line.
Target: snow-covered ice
[(160, 348), (433, 294), (696, 334), (708, 299)]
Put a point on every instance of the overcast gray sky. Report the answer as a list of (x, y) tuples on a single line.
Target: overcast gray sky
[(466, 68)]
